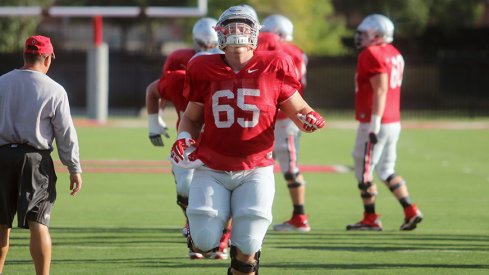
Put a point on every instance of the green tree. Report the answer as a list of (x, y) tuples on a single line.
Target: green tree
[(412, 17), (316, 30), (16, 29)]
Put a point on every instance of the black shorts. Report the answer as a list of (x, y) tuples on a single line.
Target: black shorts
[(27, 185)]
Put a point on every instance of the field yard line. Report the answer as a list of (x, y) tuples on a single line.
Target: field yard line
[(338, 124), (160, 166)]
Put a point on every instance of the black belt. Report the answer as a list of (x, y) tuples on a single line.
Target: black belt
[(23, 146)]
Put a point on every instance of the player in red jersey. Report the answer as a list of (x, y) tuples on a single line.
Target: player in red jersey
[(235, 96), (287, 134), (169, 88), (377, 108)]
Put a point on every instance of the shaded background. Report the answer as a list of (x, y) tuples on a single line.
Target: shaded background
[(445, 44)]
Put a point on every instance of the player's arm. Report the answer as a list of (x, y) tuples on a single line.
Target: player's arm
[(192, 120), (380, 87), (156, 125), (301, 113), (188, 131), (152, 97)]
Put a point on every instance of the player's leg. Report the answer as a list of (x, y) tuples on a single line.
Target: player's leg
[(286, 152), (242, 264), (364, 157), (251, 205), (9, 157), (34, 212), (396, 184), (208, 211), (183, 179), (4, 245), (40, 247)]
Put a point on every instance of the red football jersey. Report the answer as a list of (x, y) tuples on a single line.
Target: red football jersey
[(170, 85), (178, 60), (375, 60), (239, 108)]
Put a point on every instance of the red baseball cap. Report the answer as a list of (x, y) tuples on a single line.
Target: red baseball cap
[(39, 44)]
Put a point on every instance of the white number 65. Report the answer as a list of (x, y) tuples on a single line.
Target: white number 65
[(229, 120)]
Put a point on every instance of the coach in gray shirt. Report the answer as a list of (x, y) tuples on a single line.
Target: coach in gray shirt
[(34, 111)]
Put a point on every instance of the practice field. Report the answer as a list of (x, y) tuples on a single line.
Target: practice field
[(126, 221)]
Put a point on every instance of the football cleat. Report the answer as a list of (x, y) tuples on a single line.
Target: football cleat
[(296, 223), (195, 255), (219, 254), (222, 252), (370, 222), (412, 217)]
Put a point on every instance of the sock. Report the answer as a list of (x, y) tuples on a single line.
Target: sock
[(369, 208), (405, 202), (298, 209)]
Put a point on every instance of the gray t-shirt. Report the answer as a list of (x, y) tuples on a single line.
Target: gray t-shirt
[(34, 110)]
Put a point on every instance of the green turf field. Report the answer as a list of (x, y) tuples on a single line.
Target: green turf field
[(128, 223)]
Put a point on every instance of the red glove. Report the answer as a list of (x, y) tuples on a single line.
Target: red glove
[(312, 121), (184, 140)]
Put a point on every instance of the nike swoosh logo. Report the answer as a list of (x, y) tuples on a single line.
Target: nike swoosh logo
[(252, 71)]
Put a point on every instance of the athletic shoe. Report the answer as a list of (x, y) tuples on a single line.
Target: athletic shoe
[(195, 255), (412, 216), (222, 252), (370, 222), (296, 223), (219, 254)]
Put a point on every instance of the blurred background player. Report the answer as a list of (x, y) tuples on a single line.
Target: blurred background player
[(276, 34), (169, 88), (377, 108), (236, 97)]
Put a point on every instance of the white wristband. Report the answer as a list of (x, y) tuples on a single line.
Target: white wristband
[(375, 122), (153, 125), (184, 135)]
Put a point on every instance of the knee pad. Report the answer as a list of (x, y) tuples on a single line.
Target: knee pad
[(394, 181), (204, 239), (205, 229), (364, 193), (250, 241), (292, 181), (242, 266)]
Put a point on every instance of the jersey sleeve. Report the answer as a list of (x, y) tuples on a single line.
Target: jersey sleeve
[(193, 88), (371, 63), (171, 83), (287, 75)]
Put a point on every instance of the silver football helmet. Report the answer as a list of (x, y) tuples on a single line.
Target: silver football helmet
[(280, 25), (237, 26), (203, 34), (374, 29), (251, 10)]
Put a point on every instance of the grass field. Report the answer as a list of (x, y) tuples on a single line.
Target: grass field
[(128, 222)]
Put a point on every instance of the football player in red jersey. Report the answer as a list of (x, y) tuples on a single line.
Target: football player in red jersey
[(377, 108), (287, 134), (169, 88), (235, 96)]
